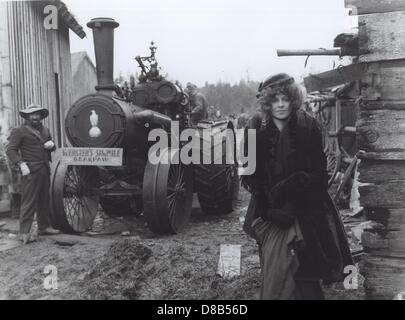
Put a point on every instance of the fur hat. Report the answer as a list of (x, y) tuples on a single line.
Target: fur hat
[(277, 82), (280, 83)]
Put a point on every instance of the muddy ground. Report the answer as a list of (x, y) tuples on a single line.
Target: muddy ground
[(106, 265)]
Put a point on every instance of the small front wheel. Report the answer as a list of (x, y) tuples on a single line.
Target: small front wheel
[(74, 197)]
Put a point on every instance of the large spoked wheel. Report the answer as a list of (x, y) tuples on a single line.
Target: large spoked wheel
[(74, 197), (167, 194)]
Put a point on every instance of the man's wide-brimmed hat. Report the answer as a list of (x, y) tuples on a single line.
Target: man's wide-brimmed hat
[(34, 108)]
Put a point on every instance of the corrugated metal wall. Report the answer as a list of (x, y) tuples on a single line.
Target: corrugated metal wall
[(5, 85), (40, 64)]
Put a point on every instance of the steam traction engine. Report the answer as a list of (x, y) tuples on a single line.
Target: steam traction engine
[(111, 121)]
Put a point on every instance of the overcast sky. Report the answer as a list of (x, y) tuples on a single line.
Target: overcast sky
[(212, 40)]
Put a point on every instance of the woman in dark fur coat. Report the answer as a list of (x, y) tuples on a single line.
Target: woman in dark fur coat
[(291, 215)]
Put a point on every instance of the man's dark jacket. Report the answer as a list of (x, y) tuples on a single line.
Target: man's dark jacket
[(199, 104), (27, 145), (327, 251)]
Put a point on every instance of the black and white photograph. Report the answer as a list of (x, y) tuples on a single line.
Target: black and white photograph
[(220, 152)]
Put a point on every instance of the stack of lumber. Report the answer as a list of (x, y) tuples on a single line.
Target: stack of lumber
[(381, 134)]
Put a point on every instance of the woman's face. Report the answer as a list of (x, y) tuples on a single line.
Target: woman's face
[(281, 107)]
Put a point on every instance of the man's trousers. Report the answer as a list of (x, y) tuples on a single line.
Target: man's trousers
[(35, 198)]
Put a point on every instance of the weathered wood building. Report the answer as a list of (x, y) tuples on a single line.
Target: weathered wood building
[(84, 75), (36, 61)]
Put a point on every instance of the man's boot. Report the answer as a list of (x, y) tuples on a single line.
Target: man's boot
[(48, 232)]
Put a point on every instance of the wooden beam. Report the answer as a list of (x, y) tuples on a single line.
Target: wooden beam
[(309, 52), (381, 36), (374, 242), (381, 131), (388, 239), (374, 6), (387, 155), (384, 244), (382, 186), (383, 276), (335, 77), (382, 105), (382, 135), (385, 195), (390, 219), (384, 81), (378, 172)]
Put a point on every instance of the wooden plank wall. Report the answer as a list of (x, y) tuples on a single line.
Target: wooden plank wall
[(5, 87), (36, 55), (381, 36), (381, 134), (361, 7)]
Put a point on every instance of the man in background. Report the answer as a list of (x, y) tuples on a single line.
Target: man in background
[(4, 176), (198, 103), (30, 150)]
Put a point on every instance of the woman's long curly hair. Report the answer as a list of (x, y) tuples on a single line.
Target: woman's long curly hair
[(269, 134), (280, 83)]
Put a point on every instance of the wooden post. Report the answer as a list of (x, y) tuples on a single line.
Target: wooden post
[(374, 6), (381, 134)]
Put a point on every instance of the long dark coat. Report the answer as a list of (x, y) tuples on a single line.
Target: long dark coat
[(199, 105), (27, 145), (326, 252)]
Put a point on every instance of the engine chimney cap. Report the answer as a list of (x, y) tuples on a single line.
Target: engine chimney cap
[(99, 22)]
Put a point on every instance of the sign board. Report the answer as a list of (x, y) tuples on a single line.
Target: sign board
[(229, 261), (103, 157)]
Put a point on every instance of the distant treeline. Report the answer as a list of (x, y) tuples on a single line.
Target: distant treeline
[(232, 99)]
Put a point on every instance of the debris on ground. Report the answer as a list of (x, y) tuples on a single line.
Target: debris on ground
[(132, 269), (360, 228), (105, 265)]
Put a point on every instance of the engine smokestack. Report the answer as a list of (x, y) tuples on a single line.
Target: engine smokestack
[(103, 34)]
